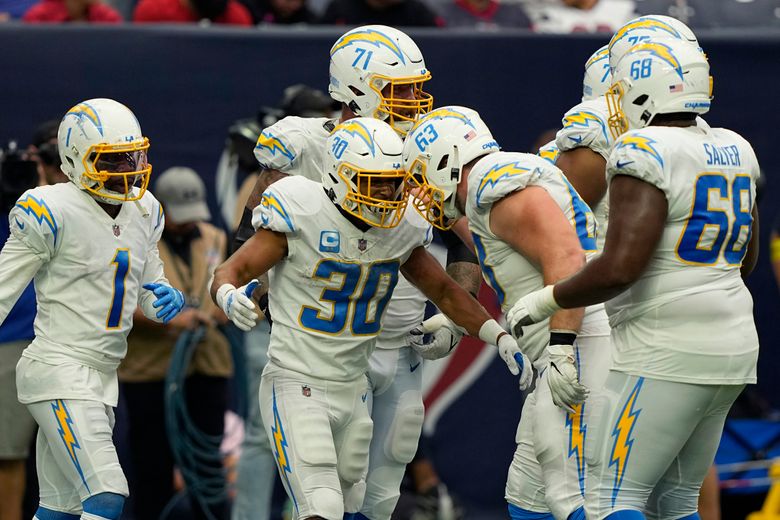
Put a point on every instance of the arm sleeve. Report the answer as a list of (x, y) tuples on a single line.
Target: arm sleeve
[(18, 265)]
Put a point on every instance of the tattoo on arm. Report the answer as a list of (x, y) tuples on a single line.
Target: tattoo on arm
[(467, 275)]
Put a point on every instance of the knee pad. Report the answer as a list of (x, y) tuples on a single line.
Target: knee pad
[(404, 434), (518, 513), (326, 502), (104, 505), (352, 460), (44, 513)]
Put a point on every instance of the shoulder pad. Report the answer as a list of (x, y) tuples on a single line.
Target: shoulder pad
[(638, 153), (285, 202), (585, 125), (279, 145), (500, 174)]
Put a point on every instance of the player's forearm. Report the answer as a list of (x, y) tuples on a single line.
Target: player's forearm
[(597, 282), (466, 274), (462, 308), (245, 229)]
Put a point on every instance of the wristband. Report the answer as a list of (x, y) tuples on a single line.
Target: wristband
[(491, 331), (562, 337)]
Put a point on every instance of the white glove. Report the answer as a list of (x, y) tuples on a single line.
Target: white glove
[(516, 361), (237, 305), (446, 336), (562, 378), (531, 308)]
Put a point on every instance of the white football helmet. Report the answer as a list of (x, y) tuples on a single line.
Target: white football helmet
[(366, 60), (435, 151), (597, 77), (363, 172), (645, 28), (658, 77), (103, 151)]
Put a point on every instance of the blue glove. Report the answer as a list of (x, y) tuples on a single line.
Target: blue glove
[(169, 298)]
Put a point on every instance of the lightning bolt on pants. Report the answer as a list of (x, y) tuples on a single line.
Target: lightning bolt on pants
[(75, 453), (652, 444)]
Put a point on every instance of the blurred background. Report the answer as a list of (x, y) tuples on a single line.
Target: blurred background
[(205, 76)]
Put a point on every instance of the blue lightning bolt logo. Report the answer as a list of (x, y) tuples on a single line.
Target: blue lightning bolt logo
[(38, 209), (270, 201), (641, 143), (443, 113), (273, 144), (65, 422), (359, 130), (280, 447), (623, 441), (582, 119), (85, 111), (498, 172), (371, 37)]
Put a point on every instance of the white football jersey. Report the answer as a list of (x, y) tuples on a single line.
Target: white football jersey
[(689, 317), (295, 146), (328, 295), (510, 274), (90, 278), (585, 125)]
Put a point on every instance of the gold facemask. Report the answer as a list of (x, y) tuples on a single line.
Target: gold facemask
[(428, 199), (100, 157), (382, 212), (617, 122), (402, 111)]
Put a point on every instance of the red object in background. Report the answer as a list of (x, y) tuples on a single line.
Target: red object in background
[(55, 11), (175, 11)]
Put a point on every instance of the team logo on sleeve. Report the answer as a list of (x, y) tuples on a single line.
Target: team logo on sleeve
[(371, 37), (583, 119), (39, 210), (272, 204), (549, 152), (641, 143), (273, 144), (496, 173)]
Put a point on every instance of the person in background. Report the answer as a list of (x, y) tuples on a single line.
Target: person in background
[(17, 427), (281, 12), (484, 14), (43, 150), (190, 249), (228, 12), (61, 11), (395, 13)]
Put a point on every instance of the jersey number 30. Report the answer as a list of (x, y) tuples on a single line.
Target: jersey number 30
[(706, 230), (353, 297)]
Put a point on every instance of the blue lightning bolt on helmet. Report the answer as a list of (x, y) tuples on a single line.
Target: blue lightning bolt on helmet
[(363, 173), (103, 151), (597, 78), (646, 28), (658, 77), (435, 152), (378, 71)]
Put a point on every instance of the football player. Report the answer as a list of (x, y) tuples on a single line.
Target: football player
[(91, 247), (514, 203), (379, 72), (334, 251), (683, 229)]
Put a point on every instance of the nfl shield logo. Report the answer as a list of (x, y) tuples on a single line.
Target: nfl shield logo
[(306, 391), (116, 230), (362, 244)]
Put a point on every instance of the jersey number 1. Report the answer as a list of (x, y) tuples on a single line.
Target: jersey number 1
[(349, 303), (122, 262)]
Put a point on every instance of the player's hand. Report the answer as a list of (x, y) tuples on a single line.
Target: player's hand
[(446, 335), (237, 306), (169, 299), (562, 378), (531, 308), (516, 361)]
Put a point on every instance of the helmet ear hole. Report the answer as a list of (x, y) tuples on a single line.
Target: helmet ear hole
[(443, 162), (356, 91), (640, 100)]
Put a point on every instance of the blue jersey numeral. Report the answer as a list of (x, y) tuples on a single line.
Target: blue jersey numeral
[(347, 303), (122, 262), (584, 221), (715, 221)]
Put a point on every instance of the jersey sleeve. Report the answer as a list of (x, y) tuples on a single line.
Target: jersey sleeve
[(583, 128), (18, 265), (496, 181), (35, 222), (638, 155), (280, 144), (286, 202)]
